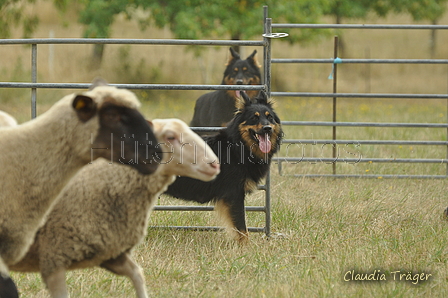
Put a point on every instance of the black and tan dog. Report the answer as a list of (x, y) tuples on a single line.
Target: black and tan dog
[(218, 107), (244, 148)]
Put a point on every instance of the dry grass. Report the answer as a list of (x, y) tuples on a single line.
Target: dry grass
[(328, 227)]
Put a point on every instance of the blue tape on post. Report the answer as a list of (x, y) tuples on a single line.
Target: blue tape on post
[(336, 60)]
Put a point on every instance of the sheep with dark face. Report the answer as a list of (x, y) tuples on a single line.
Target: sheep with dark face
[(39, 157), (103, 211)]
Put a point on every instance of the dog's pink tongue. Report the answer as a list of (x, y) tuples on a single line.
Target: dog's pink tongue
[(237, 93), (264, 143)]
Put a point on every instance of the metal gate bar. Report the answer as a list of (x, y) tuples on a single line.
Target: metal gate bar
[(334, 124), (364, 61), (365, 124), (359, 95), (131, 86), (358, 26)]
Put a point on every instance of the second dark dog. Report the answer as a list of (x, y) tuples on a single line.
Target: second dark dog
[(218, 107)]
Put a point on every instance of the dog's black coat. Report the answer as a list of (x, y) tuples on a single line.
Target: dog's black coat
[(218, 107), (243, 164)]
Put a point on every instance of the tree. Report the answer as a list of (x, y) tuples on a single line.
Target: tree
[(431, 10), (195, 19), (355, 9), (236, 19), (421, 10), (98, 16), (12, 13)]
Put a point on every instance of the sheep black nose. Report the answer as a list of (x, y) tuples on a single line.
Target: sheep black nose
[(267, 128)]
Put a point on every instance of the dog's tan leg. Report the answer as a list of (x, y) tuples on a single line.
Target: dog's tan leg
[(233, 219)]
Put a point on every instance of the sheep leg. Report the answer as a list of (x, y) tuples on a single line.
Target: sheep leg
[(55, 282), (124, 265)]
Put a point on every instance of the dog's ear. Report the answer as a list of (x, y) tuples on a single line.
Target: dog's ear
[(242, 101), (234, 56), (252, 55), (262, 98), (246, 98), (253, 59)]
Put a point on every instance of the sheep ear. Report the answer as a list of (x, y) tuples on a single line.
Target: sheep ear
[(85, 107), (98, 82)]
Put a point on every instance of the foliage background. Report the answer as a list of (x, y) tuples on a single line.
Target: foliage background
[(325, 227)]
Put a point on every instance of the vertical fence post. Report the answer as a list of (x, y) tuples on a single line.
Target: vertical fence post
[(267, 54), (335, 79), (33, 79), (267, 82)]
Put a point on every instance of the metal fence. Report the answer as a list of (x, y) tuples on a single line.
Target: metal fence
[(338, 62), (34, 85), (266, 86)]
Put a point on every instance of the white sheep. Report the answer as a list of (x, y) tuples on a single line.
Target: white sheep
[(39, 157), (103, 211), (7, 120)]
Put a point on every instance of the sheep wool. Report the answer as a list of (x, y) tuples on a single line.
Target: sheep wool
[(39, 157), (103, 211)]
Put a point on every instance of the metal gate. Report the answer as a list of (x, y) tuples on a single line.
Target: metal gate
[(34, 85), (266, 86), (334, 141)]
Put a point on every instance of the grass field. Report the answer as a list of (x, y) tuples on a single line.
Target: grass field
[(326, 231), (328, 228)]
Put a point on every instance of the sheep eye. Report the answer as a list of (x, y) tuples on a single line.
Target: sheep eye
[(171, 138)]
